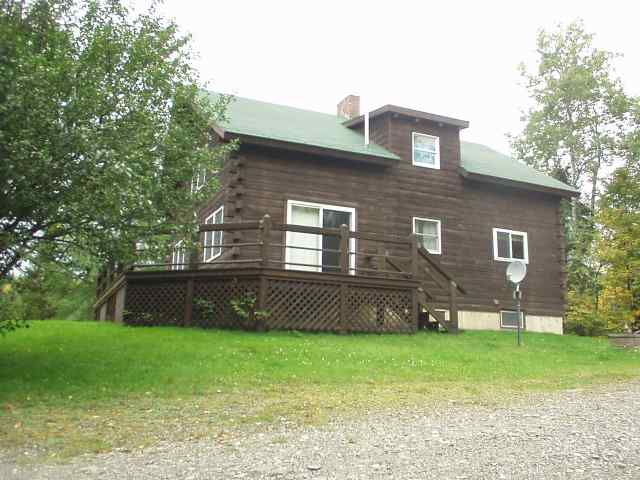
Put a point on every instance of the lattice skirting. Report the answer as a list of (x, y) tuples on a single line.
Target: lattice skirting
[(290, 304), (155, 303), (212, 302)]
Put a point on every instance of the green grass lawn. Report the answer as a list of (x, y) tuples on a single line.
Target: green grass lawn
[(86, 386)]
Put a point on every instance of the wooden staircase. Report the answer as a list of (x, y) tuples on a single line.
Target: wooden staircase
[(448, 325), (432, 269), (425, 267)]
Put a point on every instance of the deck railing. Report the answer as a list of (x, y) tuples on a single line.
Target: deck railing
[(264, 243)]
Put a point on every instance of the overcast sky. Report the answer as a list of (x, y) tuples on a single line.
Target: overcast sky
[(455, 58)]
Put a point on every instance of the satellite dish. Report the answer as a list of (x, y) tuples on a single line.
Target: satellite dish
[(516, 271)]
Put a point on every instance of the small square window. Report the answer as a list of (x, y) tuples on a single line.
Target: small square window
[(509, 319), (428, 231), (509, 245), (213, 240), (425, 150)]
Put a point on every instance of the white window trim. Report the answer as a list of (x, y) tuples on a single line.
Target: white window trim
[(176, 262), (141, 249), (439, 223), (436, 165), (196, 186), (321, 206), (523, 323), (510, 232), (211, 247)]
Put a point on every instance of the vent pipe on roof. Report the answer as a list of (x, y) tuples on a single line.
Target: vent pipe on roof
[(366, 128)]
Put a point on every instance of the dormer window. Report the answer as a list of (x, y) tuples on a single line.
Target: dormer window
[(426, 150)]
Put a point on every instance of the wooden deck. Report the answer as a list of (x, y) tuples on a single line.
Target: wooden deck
[(381, 286)]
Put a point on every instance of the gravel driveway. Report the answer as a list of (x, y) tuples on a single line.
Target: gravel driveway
[(571, 434)]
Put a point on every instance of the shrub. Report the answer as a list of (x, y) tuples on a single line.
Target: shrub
[(11, 310)]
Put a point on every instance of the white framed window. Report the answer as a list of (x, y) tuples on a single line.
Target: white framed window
[(429, 233), (509, 319), (426, 150), (178, 256), (509, 245), (141, 254), (213, 240), (199, 180), (317, 253)]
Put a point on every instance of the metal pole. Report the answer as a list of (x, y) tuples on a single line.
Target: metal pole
[(518, 296)]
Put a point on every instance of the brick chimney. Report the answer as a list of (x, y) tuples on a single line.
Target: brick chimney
[(349, 107)]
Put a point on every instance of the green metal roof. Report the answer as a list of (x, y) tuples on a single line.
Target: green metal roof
[(294, 125), (288, 124), (482, 160)]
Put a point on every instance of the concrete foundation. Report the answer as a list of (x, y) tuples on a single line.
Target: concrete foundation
[(468, 320)]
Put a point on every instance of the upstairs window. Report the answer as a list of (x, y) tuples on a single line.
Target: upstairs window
[(426, 150), (509, 245), (428, 232), (213, 240)]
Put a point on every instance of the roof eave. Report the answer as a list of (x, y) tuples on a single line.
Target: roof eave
[(221, 132), (367, 158), (408, 112), (516, 184)]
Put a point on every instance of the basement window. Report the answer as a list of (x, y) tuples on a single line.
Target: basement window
[(213, 240), (509, 319), (426, 150), (509, 245), (428, 231)]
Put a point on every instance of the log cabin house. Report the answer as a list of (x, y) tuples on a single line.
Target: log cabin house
[(349, 222)]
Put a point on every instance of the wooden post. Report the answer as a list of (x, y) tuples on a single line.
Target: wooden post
[(344, 248), (453, 304), (415, 311), (261, 304), (265, 239), (188, 302), (196, 256), (413, 245)]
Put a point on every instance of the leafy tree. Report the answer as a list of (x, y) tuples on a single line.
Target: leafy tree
[(47, 289), (575, 131), (580, 111), (102, 126), (619, 247)]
